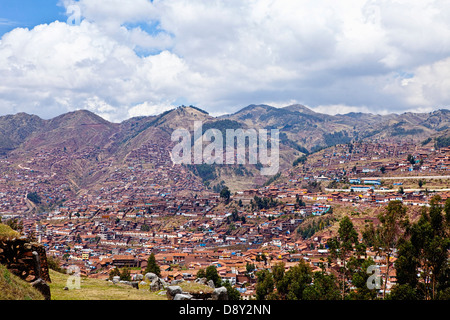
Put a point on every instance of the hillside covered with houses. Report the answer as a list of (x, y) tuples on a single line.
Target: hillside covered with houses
[(101, 212)]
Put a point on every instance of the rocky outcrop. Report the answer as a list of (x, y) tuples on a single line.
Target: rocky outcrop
[(201, 280), (157, 284), (182, 296), (220, 294), (210, 283), (150, 276), (172, 291), (176, 293), (42, 287), (133, 284)]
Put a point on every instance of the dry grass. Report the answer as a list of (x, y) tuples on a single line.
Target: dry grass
[(7, 232), (193, 287), (95, 289)]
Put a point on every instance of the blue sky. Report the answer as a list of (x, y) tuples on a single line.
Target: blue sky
[(139, 57), (28, 13)]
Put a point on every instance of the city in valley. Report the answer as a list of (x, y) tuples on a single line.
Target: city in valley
[(101, 196)]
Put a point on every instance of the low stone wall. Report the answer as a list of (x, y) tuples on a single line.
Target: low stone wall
[(17, 256), (26, 260)]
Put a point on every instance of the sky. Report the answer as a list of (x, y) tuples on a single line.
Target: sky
[(126, 58)]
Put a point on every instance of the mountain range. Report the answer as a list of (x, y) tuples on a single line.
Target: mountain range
[(23, 136)]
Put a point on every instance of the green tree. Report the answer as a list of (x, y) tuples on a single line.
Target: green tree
[(264, 258), (233, 293), (324, 287), (250, 267), (295, 281), (430, 238), (387, 235), (212, 274), (300, 160), (15, 224), (299, 202), (264, 285), (114, 272), (201, 274), (225, 194), (343, 247), (402, 292), (125, 274), (54, 263), (34, 197), (359, 280), (407, 264), (152, 265), (447, 211), (278, 272)]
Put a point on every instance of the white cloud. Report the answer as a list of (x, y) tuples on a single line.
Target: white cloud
[(134, 57), (113, 12), (343, 109), (73, 67), (428, 88), (148, 109)]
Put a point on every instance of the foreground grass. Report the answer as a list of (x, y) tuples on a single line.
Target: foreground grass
[(7, 232), (193, 287), (13, 288), (95, 289)]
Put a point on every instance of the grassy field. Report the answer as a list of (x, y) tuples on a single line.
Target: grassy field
[(192, 287), (95, 289), (7, 232)]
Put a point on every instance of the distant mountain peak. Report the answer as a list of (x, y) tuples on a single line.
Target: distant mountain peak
[(300, 108), (191, 108), (78, 117), (254, 107), (185, 111), (21, 115), (265, 106), (84, 113)]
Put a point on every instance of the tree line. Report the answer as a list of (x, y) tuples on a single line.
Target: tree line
[(421, 249)]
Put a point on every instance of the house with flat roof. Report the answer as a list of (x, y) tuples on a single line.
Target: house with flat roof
[(372, 182), (360, 188)]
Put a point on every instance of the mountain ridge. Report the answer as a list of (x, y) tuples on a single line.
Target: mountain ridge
[(79, 140), (292, 108), (300, 124)]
